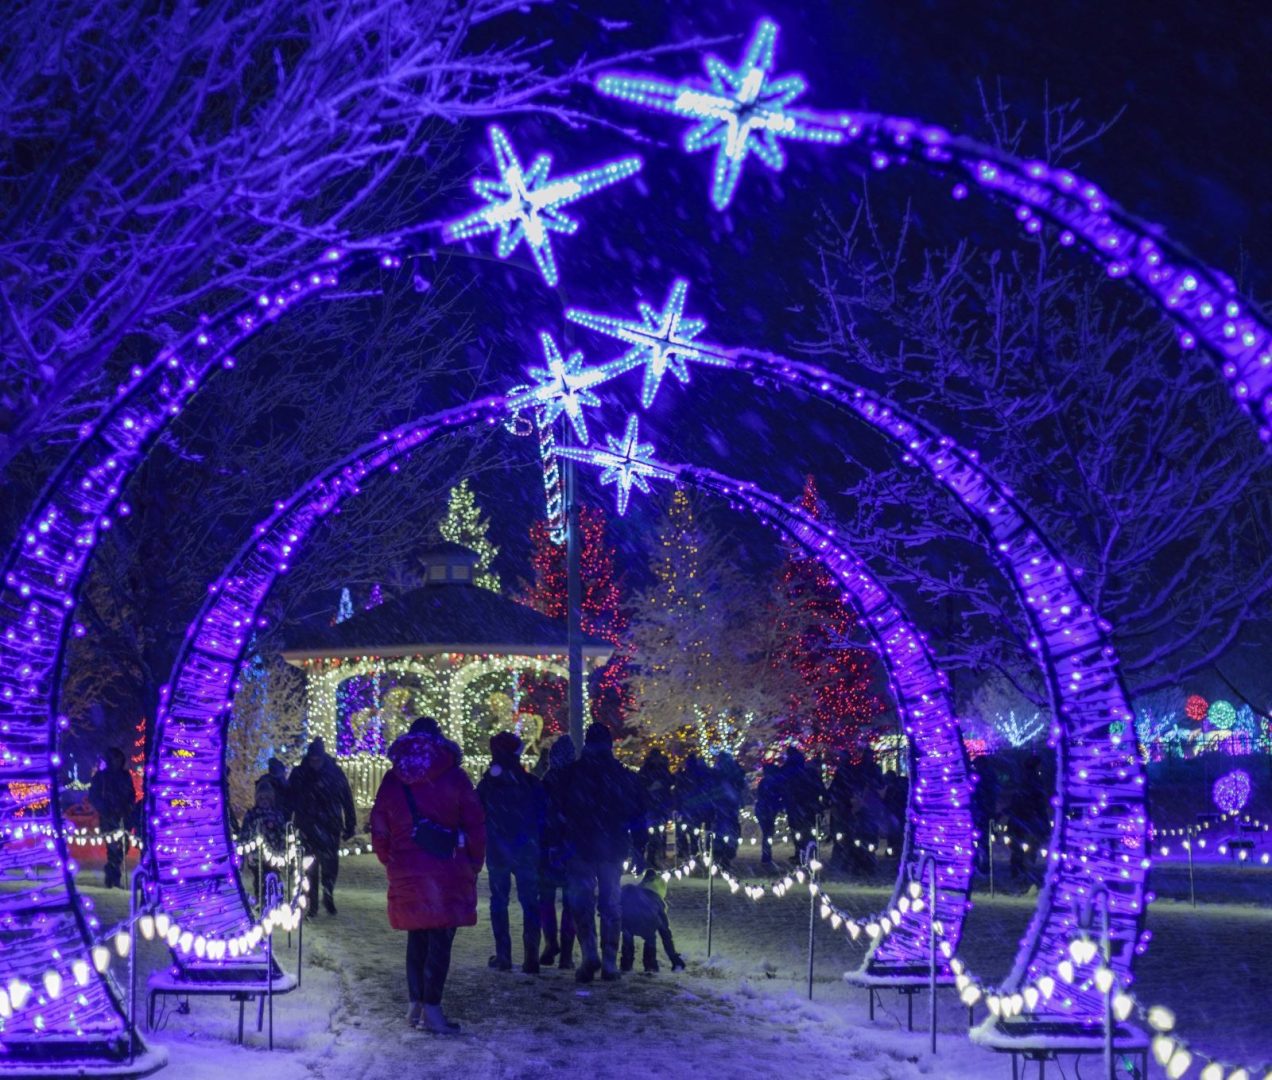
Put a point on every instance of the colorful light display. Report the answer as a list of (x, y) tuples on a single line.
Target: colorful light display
[(523, 204), (740, 111), (46, 565)]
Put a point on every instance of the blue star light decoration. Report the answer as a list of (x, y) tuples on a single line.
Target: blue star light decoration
[(743, 110), (627, 463), (660, 341), (523, 204), (562, 385)]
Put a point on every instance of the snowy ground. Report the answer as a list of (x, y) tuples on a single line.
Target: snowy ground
[(743, 1013)]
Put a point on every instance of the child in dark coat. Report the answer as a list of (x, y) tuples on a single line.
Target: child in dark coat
[(645, 916)]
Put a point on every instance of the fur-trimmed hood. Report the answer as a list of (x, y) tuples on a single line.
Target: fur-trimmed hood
[(418, 758)]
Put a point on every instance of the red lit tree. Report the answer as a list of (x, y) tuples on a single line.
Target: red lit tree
[(834, 701), (604, 616)]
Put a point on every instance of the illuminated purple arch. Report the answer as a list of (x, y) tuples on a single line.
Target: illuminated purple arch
[(192, 846)]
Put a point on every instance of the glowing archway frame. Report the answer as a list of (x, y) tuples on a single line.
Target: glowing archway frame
[(46, 563), (197, 876), (1203, 302)]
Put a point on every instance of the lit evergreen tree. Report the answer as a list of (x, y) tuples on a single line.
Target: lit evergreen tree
[(834, 702), (701, 668), (465, 525)]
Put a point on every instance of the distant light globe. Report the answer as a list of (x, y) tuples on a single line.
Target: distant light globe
[(1232, 791), (1222, 715), (1196, 707)]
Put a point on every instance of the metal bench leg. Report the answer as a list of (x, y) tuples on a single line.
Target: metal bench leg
[(260, 1013), (242, 1003), (871, 993), (909, 1012)]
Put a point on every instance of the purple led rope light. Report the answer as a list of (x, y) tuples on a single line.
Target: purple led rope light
[(198, 880)]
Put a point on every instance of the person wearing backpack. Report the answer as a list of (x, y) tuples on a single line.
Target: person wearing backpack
[(429, 831)]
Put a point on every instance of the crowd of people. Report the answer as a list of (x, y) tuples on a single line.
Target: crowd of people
[(563, 832)]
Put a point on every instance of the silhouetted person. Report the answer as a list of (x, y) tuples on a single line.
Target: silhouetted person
[(515, 806), (693, 805), (554, 858), (658, 788), (728, 789), (768, 804), (803, 795), (276, 776), (322, 805), (112, 795), (266, 823), (984, 807), (601, 813)]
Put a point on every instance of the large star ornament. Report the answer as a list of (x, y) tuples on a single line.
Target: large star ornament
[(742, 110), (562, 385), (660, 341), (523, 204), (628, 463)]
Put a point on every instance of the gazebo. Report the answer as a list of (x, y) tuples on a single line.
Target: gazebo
[(450, 649)]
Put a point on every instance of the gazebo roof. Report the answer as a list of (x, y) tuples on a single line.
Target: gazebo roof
[(441, 617)]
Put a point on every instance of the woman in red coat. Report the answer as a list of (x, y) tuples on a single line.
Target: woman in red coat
[(429, 894)]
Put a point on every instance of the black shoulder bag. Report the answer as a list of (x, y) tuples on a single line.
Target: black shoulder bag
[(430, 837)]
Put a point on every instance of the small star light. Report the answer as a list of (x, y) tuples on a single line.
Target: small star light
[(627, 463), (563, 386), (661, 341), (744, 111), (524, 204)]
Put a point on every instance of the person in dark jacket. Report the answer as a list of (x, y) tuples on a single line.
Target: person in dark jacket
[(112, 795), (601, 815), (657, 787), (842, 797), (693, 805), (768, 804), (802, 794), (645, 917), (276, 776), (322, 805), (1029, 820), (554, 857), (515, 807), (728, 789), (431, 893)]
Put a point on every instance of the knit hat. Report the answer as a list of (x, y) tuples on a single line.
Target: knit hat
[(505, 746), (598, 735), (316, 747)]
